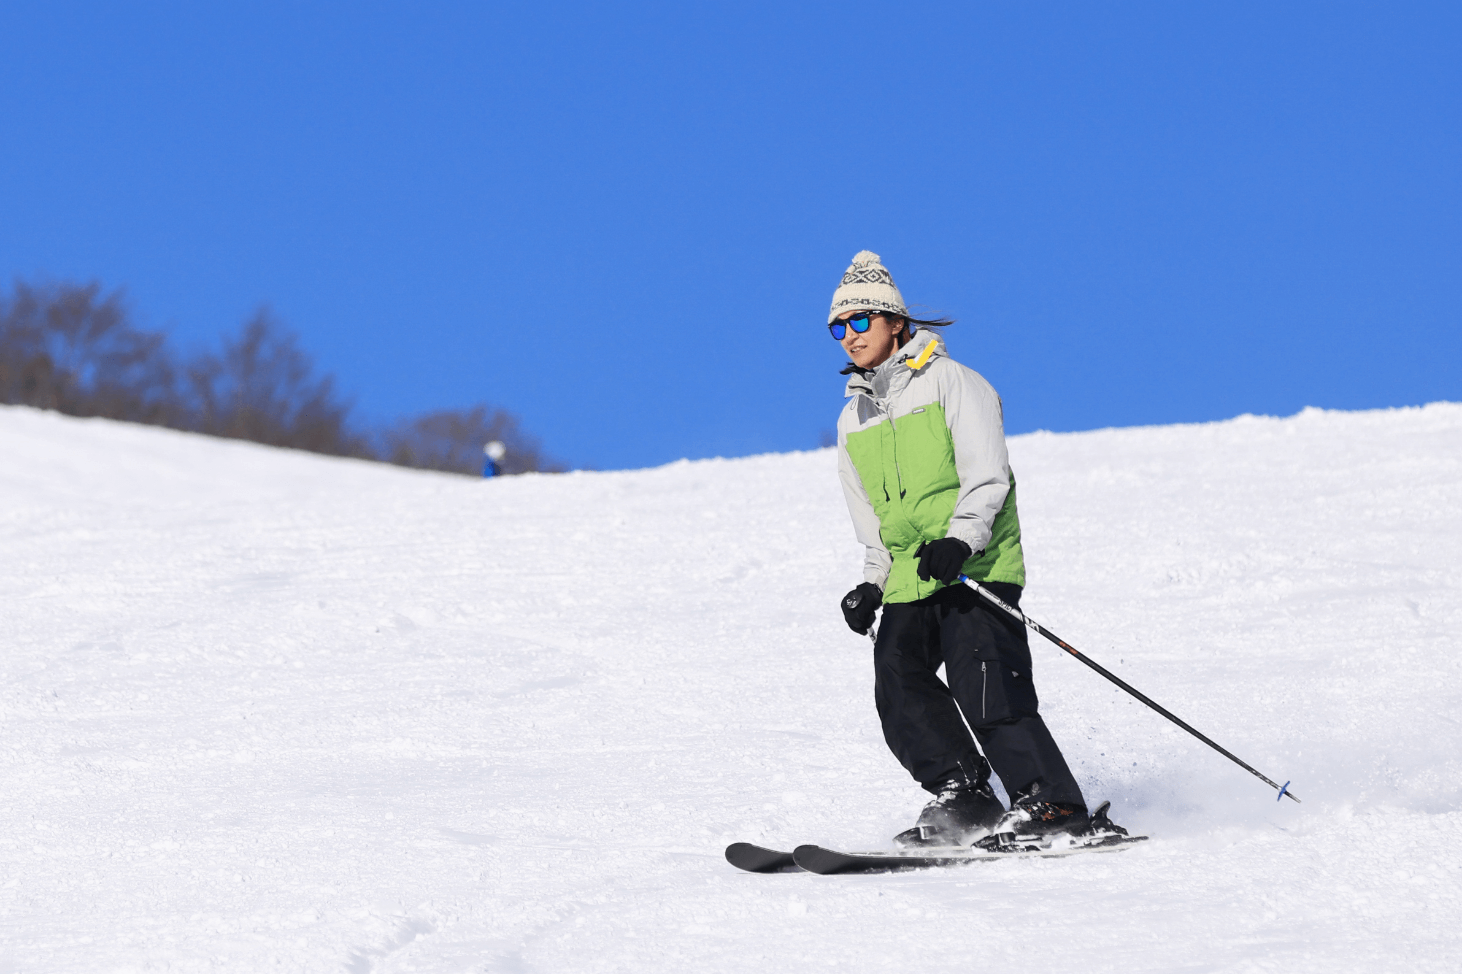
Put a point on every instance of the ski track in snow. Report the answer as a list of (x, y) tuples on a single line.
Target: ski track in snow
[(269, 711)]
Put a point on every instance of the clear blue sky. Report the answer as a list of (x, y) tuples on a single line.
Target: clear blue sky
[(624, 222)]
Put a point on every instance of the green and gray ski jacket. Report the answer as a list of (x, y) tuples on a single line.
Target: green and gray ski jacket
[(921, 455)]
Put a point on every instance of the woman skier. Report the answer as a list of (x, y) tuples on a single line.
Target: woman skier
[(921, 455)]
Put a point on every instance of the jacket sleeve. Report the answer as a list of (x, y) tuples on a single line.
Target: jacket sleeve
[(977, 428), (877, 561)]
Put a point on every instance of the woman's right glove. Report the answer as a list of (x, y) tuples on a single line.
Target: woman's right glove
[(859, 606), (942, 560)]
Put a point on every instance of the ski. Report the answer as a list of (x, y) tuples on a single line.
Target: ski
[(759, 859), (1101, 836), (826, 862)]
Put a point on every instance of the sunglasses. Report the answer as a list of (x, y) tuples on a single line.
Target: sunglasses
[(859, 323)]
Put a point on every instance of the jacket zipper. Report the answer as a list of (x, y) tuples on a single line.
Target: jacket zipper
[(893, 428), (886, 408), (984, 681)]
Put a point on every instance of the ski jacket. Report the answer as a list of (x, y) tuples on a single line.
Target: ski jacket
[(921, 456)]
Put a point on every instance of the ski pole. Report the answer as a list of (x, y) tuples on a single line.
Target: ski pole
[(1037, 627)]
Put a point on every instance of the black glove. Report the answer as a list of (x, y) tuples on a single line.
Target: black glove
[(859, 606), (943, 559)]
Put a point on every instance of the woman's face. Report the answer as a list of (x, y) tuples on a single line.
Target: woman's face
[(872, 348)]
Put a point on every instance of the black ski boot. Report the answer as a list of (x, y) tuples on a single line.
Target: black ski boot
[(1101, 826), (1032, 823), (963, 808)]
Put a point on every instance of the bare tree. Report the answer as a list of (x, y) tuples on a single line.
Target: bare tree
[(69, 348), (263, 387)]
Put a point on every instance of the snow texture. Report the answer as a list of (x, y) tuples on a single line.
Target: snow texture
[(270, 711)]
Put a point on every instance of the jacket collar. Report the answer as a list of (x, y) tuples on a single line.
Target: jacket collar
[(916, 354)]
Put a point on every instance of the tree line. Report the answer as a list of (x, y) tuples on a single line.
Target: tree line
[(72, 348)]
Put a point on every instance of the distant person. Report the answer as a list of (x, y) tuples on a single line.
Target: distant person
[(494, 453), (921, 455)]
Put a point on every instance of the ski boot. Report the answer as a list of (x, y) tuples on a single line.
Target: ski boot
[(1102, 829), (963, 809), (1032, 824)]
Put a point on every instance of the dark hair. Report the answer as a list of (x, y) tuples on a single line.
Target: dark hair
[(929, 322), (920, 323)]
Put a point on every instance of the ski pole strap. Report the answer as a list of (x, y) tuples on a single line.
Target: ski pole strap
[(1030, 623)]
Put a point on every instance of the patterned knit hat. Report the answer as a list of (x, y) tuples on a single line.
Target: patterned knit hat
[(867, 284)]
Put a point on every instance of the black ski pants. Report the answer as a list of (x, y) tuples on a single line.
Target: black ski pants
[(987, 661)]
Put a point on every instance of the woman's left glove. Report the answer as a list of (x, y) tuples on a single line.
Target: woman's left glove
[(942, 559)]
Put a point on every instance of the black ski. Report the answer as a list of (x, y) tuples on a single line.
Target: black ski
[(815, 858), (759, 859)]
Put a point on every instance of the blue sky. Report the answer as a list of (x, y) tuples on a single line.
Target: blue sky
[(624, 222)]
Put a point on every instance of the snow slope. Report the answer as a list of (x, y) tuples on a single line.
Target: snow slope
[(269, 711)]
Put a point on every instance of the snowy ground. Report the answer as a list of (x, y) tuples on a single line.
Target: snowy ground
[(269, 711)]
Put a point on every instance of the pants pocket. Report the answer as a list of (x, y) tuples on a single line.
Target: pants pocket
[(1005, 693)]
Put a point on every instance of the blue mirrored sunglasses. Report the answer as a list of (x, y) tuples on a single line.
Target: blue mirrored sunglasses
[(859, 323)]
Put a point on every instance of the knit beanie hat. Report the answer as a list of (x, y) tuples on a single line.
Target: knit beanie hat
[(867, 284)]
